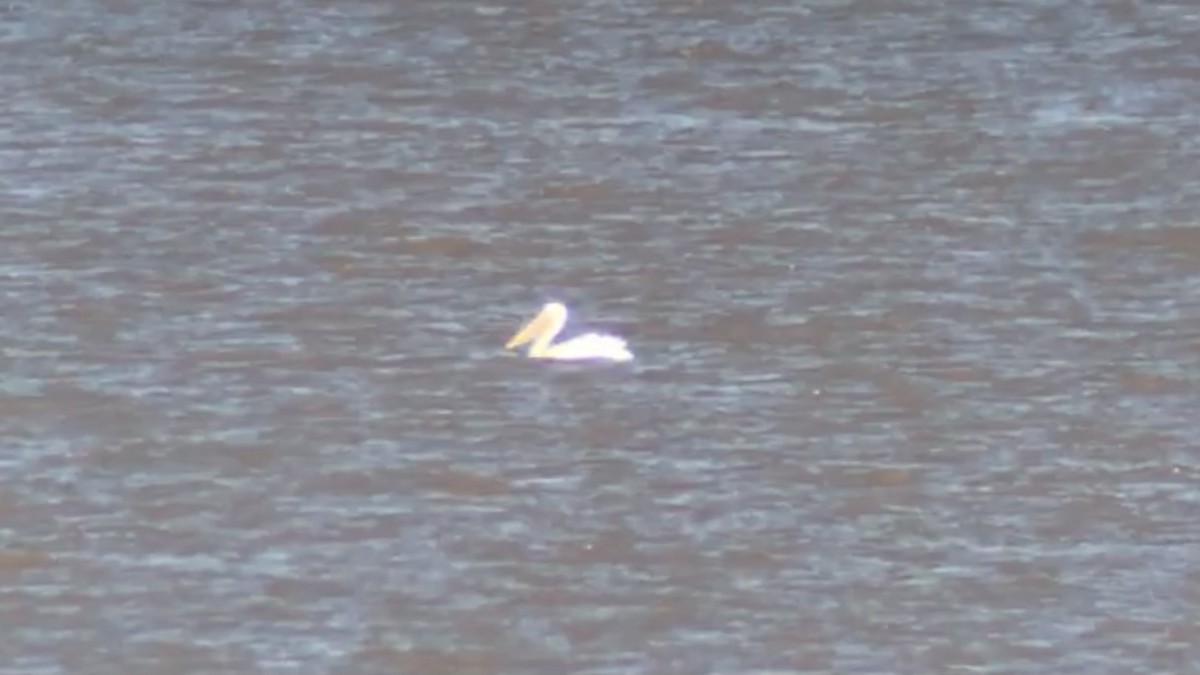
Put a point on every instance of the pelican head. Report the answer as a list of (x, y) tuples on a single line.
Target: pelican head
[(548, 322)]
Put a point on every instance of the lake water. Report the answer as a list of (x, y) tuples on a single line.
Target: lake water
[(914, 289)]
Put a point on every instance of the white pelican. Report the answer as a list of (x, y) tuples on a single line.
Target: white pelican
[(543, 328)]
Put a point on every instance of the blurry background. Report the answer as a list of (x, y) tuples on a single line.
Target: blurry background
[(914, 289)]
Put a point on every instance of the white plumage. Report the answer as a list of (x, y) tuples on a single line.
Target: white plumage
[(541, 330)]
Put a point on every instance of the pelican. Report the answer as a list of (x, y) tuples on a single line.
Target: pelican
[(543, 328)]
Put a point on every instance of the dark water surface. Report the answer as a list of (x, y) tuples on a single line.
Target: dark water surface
[(914, 289)]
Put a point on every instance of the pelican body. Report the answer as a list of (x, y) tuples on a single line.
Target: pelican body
[(541, 330)]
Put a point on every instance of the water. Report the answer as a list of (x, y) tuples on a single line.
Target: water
[(914, 291)]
